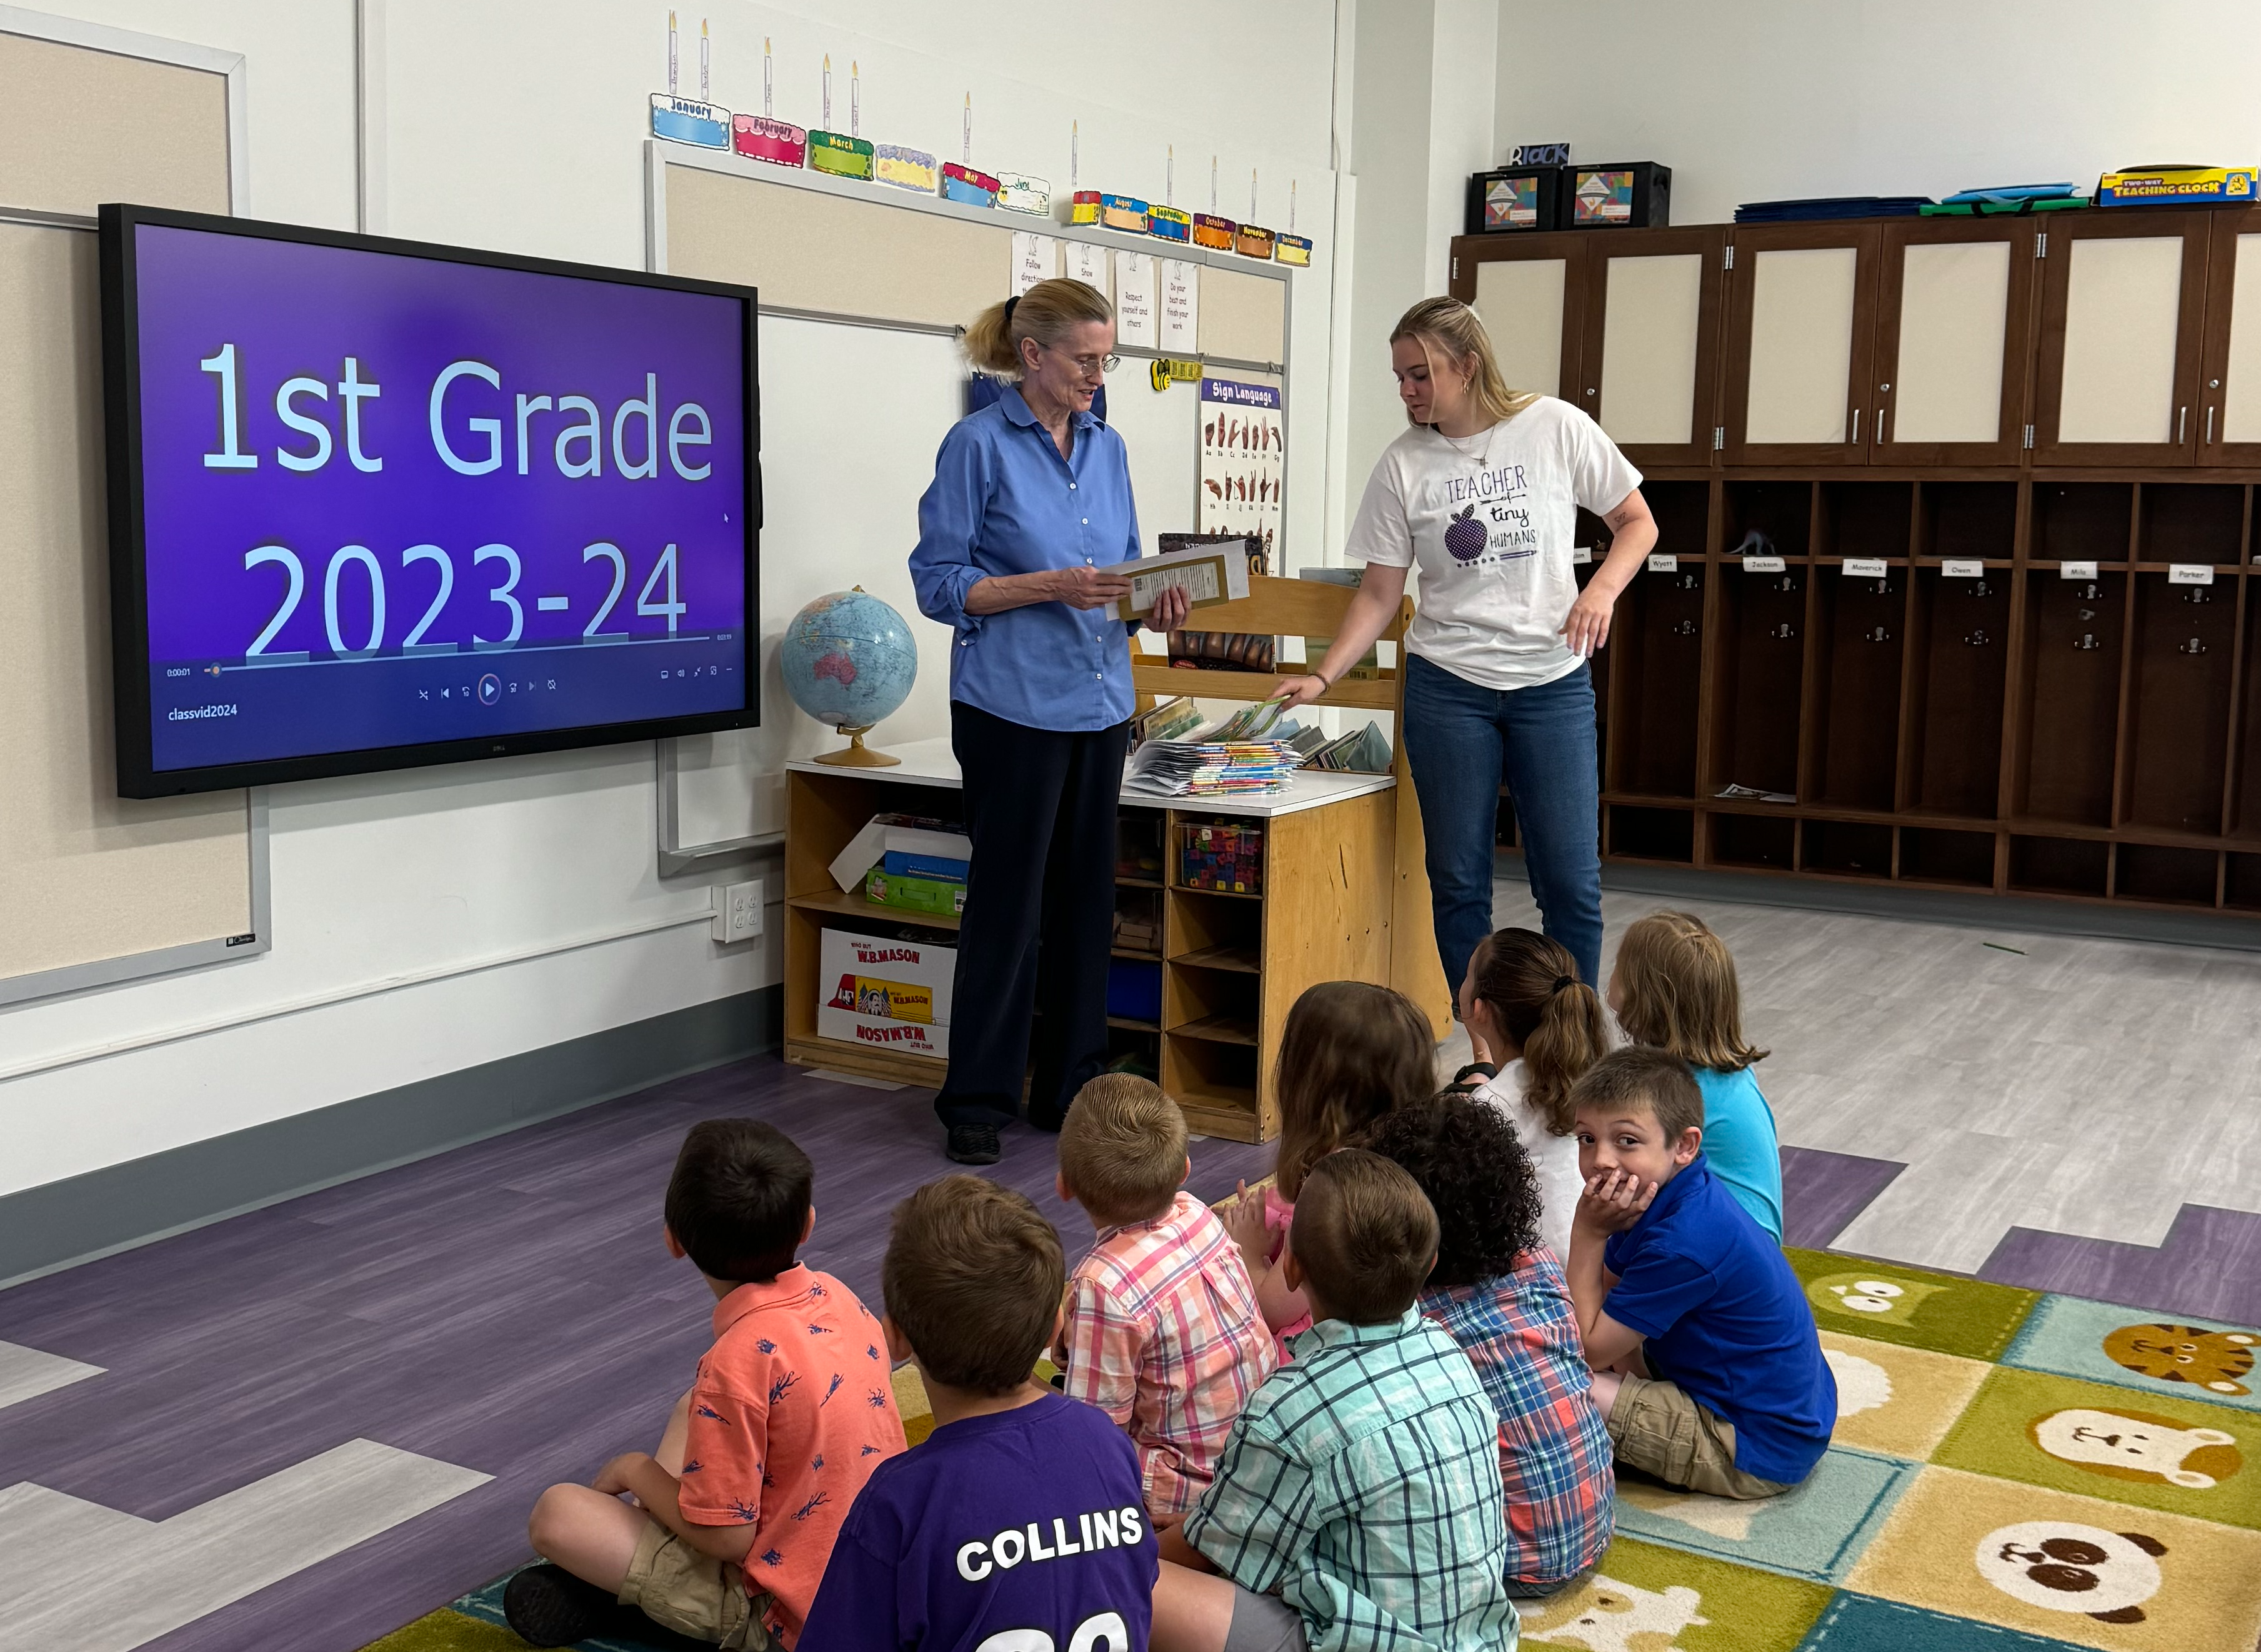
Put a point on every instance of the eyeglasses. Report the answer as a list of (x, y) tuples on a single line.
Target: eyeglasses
[(1092, 365)]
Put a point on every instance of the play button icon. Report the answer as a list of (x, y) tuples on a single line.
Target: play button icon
[(490, 689)]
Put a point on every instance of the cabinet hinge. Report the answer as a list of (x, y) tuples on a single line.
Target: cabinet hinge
[(1456, 269), (1727, 259), (2029, 435), (1719, 437), (2041, 244)]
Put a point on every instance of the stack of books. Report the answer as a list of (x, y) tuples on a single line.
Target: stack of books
[(1213, 768), (1361, 751)]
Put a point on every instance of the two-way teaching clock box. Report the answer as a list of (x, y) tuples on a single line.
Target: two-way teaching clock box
[(1619, 194), (885, 993)]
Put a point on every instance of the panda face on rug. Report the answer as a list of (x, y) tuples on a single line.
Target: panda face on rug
[(2062, 1567)]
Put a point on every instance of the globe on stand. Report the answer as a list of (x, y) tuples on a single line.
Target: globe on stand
[(849, 660)]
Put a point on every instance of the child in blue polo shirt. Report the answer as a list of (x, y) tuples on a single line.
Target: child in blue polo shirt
[(1708, 1367)]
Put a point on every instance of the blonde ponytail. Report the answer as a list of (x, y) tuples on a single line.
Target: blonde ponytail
[(1447, 328), (1047, 312)]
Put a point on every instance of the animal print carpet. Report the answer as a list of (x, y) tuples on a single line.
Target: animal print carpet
[(2010, 1472)]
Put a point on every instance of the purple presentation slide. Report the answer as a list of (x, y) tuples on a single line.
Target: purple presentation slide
[(392, 500)]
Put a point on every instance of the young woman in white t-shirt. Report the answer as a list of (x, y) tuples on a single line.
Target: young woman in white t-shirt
[(1536, 1028), (1483, 493)]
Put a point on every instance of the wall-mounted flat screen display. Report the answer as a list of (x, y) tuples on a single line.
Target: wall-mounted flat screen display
[(375, 503)]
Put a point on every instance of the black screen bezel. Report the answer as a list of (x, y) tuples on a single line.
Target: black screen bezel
[(121, 382)]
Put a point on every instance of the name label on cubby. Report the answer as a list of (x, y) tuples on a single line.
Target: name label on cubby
[(2189, 574), (1663, 564), (1581, 553), (1961, 567), (2075, 570), (1866, 568), (1763, 564)]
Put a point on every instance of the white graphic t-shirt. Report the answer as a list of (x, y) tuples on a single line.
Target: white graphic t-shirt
[(1490, 518)]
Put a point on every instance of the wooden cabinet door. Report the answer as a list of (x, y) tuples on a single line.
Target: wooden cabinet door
[(2117, 368), (1530, 292), (1649, 369), (2229, 422), (1954, 314), (1801, 320)]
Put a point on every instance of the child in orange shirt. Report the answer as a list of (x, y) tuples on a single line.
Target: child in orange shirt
[(734, 1517)]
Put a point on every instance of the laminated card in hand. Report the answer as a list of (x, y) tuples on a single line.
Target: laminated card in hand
[(1211, 574)]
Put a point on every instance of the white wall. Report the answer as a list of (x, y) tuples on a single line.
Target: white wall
[(431, 921), (1772, 98)]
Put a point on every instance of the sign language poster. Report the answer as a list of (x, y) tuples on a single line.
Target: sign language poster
[(1242, 452)]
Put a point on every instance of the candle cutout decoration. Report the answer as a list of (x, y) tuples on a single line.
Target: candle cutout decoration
[(690, 120), (1020, 192), (1292, 248), (855, 98), (760, 138), (841, 153), (1082, 204), (961, 181), (1166, 220), (1254, 242), (1217, 234)]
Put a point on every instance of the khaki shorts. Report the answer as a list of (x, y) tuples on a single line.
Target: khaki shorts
[(1658, 1430), (673, 1584)]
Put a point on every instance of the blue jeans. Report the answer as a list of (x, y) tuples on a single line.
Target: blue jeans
[(1461, 740)]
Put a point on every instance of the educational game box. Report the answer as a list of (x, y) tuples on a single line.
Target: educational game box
[(2184, 186), (885, 994)]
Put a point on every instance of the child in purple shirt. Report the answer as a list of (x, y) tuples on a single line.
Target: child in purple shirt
[(1022, 1517)]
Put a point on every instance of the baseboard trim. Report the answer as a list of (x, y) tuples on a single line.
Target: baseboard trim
[(63, 1224), (2009, 914)]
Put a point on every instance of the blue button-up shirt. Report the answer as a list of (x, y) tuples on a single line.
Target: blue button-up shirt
[(1003, 501)]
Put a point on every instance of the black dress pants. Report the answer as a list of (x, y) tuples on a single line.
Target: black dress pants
[(1040, 924)]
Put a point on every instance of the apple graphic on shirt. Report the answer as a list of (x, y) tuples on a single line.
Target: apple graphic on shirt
[(1465, 537)]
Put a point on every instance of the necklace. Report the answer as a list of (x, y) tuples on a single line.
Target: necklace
[(1482, 438)]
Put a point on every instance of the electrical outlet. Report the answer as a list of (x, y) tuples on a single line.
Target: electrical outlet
[(738, 911)]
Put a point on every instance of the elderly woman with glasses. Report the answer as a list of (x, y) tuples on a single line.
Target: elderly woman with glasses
[(1030, 505)]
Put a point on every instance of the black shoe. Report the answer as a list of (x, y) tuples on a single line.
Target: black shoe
[(972, 1144), (548, 1605)]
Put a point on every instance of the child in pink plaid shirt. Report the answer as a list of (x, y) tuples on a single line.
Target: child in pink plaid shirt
[(1162, 1331)]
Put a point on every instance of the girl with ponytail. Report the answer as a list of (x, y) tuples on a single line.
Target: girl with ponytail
[(1537, 1028)]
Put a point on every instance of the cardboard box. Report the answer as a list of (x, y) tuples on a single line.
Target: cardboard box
[(2182, 186), (942, 897), (914, 967), (876, 1031)]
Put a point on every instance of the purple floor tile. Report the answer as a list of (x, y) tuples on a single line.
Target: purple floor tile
[(508, 1307), (2208, 1266), (1822, 1192)]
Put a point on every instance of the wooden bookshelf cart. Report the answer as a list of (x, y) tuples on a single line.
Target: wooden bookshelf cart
[(1343, 894), (1231, 964)]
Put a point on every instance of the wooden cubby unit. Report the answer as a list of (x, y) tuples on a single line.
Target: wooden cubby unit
[(1231, 964)]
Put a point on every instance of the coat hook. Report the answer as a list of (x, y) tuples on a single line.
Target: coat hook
[(2193, 647), (1878, 635), (1980, 588), (2090, 593), (2088, 640), (2197, 594), (1687, 582), (1979, 639), (1686, 628), (1783, 633)]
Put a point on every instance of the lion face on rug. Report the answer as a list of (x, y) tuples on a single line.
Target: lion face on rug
[(2062, 1567), (1609, 1616), (1862, 1296), (2131, 1445), (2213, 1359)]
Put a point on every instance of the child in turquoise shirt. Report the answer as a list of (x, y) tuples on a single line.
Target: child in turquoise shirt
[(1674, 986)]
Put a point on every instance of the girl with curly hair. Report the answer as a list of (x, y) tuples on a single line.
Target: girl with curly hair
[(1501, 1295)]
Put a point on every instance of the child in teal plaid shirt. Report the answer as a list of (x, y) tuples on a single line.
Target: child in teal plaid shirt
[(1501, 1294), (1358, 1504)]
